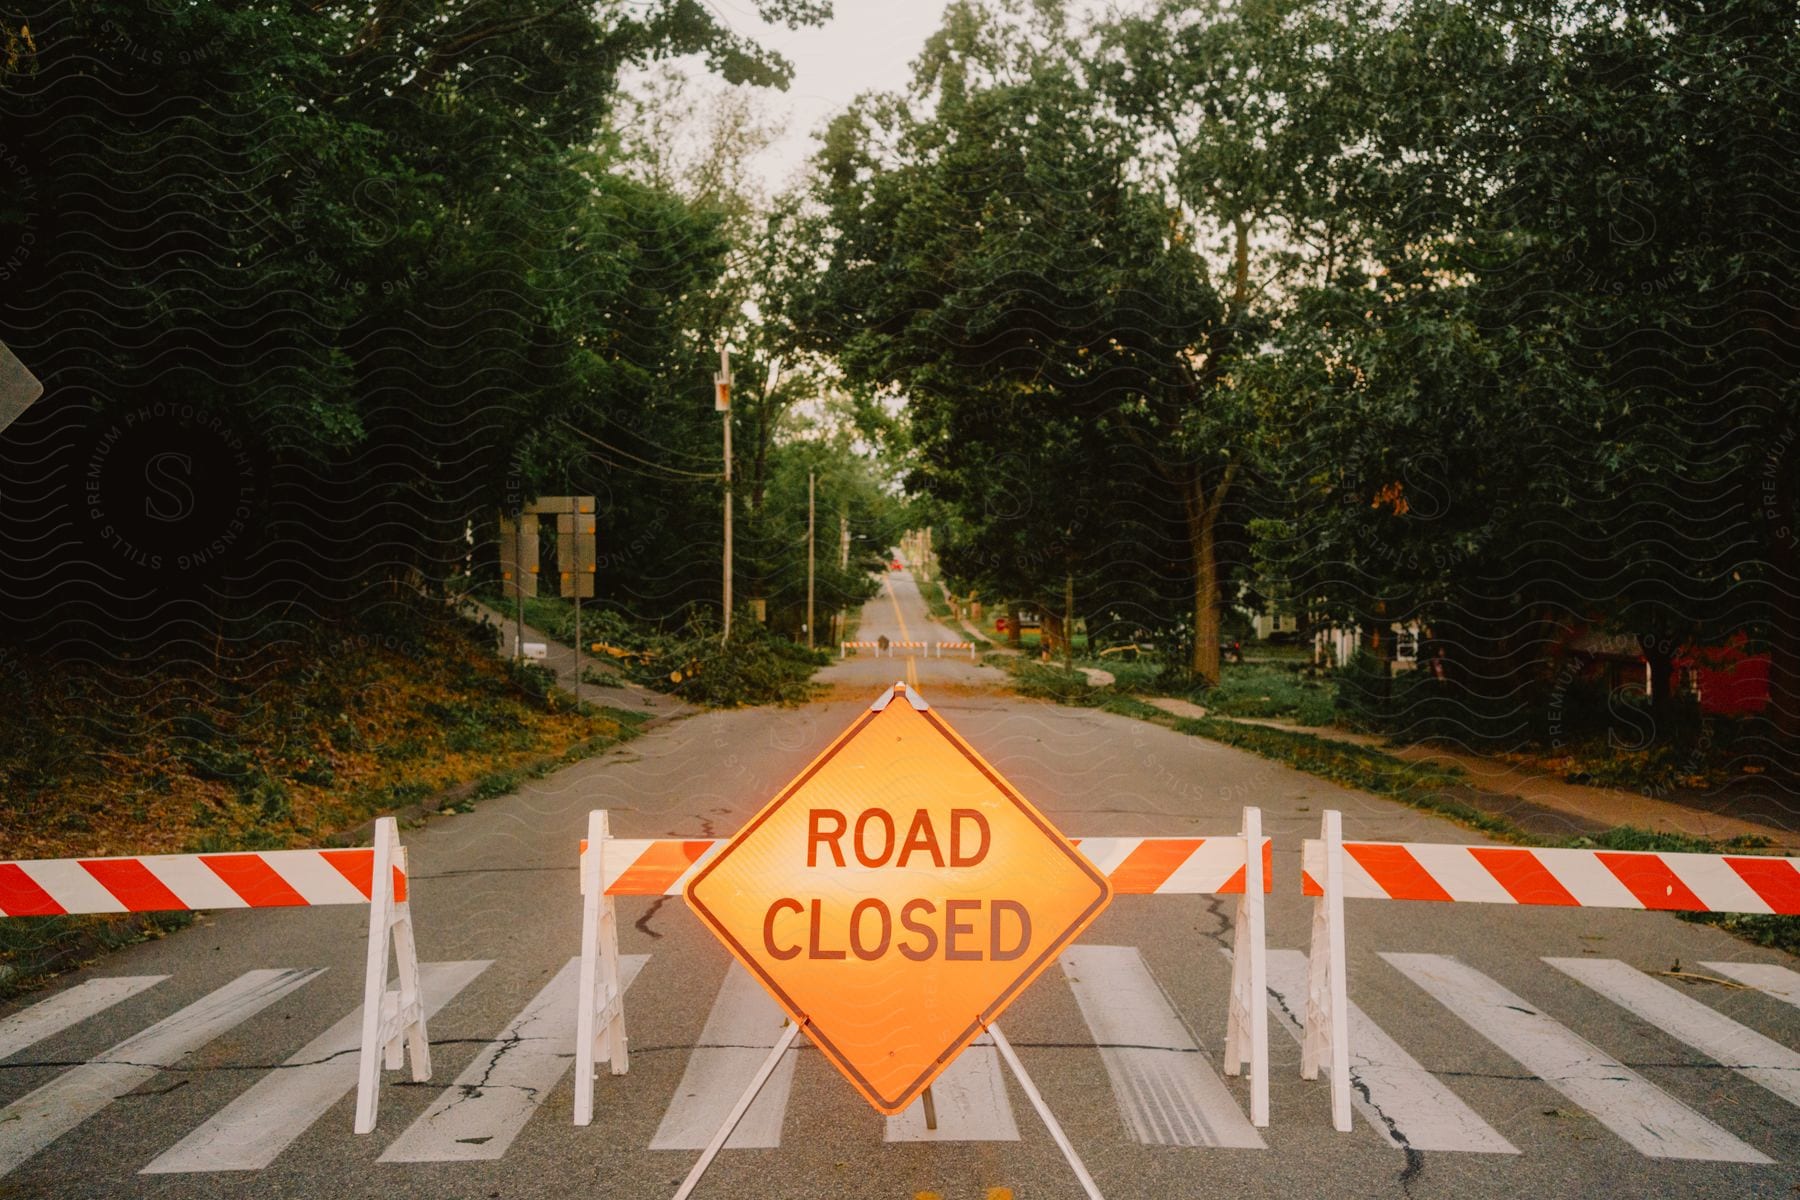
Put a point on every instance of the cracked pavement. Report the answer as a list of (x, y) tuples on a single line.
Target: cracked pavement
[(499, 884)]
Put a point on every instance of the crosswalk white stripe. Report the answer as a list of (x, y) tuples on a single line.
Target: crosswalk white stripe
[(50, 1017), (1650, 1120), (1685, 1019), (1406, 1104), (250, 1132), (32, 1122), (1778, 982), (478, 1116), (740, 1030), (1167, 1091), (970, 1100)]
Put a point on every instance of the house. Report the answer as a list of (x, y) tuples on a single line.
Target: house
[(1397, 643)]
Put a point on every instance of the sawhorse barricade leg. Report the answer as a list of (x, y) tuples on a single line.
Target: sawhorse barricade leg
[(600, 1012), (1011, 1058), (393, 1027), (1327, 998), (1247, 1025)]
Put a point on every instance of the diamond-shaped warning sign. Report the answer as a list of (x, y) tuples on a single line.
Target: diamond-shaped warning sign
[(896, 897)]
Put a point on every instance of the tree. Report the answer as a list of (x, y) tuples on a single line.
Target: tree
[(990, 256), (1237, 106), (368, 260), (1558, 388)]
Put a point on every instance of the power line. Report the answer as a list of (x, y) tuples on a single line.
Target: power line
[(654, 466)]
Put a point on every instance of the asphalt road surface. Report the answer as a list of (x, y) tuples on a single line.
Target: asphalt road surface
[(1501, 1051)]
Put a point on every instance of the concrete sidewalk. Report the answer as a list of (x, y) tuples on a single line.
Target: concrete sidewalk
[(1587, 808)]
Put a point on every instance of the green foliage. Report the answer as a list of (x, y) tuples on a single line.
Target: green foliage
[(994, 255), (1435, 789), (393, 254), (942, 613), (1364, 693), (1257, 690), (1042, 682), (1543, 408), (755, 667)]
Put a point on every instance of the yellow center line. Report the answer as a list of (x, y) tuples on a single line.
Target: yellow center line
[(912, 667), (895, 601)]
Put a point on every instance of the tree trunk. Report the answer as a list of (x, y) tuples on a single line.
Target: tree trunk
[(1205, 662), (1015, 637), (1068, 619), (1202, 512)]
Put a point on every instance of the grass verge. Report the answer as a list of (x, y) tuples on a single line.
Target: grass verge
[(291, 737), (943, 614), (1432, 789)]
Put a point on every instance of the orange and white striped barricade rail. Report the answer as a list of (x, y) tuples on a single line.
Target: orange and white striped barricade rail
[(1333, 870), (1142, 866), (844, 648), (893, 646), (393, 1019), (943, 646)]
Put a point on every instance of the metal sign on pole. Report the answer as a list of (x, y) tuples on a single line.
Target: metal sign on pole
[(937, 912), (576, 558)]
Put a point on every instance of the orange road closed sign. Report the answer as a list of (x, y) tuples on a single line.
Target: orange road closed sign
[(896, 897)]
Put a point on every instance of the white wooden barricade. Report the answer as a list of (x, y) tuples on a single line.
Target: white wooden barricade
[(1135, 866), (393, 1028)]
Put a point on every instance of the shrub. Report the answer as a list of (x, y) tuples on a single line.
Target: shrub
[(755, 667)]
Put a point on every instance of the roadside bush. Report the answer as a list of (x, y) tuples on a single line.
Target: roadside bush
[(1268, 691), (1042, 682), (1364, 693), (755, 667)]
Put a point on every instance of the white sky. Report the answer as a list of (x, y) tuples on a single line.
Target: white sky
[(868, 45)]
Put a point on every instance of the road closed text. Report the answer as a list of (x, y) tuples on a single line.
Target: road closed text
[(917, 928)]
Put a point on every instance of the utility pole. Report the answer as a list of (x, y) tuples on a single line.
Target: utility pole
[(810, 543), (722, 403)]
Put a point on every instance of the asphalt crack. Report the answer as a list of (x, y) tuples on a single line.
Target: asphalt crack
[(502, 1047), (642, 924)]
